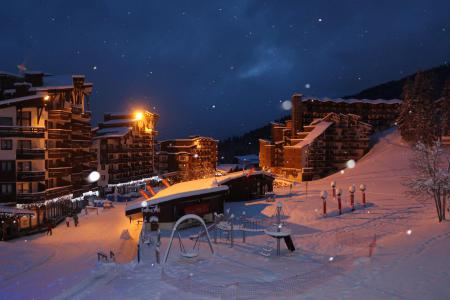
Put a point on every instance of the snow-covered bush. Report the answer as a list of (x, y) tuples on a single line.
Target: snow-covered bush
[(432, 175)]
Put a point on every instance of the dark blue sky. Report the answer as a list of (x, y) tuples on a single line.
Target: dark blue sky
[(221, 68)]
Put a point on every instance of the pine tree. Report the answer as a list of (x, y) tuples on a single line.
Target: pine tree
[(417, 119), (404, 120), (445, 109)]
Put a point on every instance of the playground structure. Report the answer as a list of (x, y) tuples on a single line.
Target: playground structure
[(226, 226), (280, 231), (195, 249)]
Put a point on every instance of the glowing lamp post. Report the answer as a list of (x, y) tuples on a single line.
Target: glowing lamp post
[(352, 189), (362, 187), (333, 187), (324, 195), (138, 116), (339, 193)]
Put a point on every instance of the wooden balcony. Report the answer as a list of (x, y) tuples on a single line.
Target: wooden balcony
[(22, 131), (27, 176), (30, 153), (59, 134)]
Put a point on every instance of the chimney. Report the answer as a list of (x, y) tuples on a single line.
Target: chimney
[(297, 114), (35, 78)]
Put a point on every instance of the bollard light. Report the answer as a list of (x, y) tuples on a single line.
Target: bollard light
[(362, 187)]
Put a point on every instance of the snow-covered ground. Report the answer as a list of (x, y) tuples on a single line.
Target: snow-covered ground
[(409, 261), (40, 266)]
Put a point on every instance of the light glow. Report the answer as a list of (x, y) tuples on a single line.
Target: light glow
[(94, 176), (138, 116)]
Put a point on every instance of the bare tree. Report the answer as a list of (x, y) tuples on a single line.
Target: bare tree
[(432, 175)]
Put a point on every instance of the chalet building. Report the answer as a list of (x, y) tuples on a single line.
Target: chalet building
[(45, 137), (188, 159), (125, 147), (204, 197)]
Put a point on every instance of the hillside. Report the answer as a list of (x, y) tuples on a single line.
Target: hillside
[(248, 142)]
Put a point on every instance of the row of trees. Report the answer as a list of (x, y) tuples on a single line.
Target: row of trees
[(425, 111), (424, 118)]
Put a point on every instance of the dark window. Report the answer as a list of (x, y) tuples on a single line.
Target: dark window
[(6, 165), (24, 166), (6, 121), (6, 144), (6, 188)]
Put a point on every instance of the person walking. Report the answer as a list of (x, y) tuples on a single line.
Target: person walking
[(68, 221), (75, 219), (49, 228)]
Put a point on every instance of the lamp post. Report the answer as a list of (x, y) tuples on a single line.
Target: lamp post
[(339, 193), (324, 195), (243, 229), (362, 187), (333, 187), (352, 189)]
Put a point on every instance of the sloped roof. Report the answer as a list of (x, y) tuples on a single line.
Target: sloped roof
[(349, 101), (111, 132), (319, 128)]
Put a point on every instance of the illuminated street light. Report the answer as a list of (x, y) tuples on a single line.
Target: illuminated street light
[(138, 116)]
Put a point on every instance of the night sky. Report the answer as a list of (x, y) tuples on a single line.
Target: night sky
[(220, 68)]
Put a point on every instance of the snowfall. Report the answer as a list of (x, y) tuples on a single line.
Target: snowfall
[(393, 248)]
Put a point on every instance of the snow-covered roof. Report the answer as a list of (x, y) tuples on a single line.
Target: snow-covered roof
[(15, 211), (119, 121), (194, 188), (319, 128), (4, 73), (349, 101), (58, 82), (111, 132), (20, 99), (190, 139)]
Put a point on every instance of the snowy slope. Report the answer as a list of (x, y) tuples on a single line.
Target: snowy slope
[(409, 258)]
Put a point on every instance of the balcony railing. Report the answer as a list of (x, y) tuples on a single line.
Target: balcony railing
[(30, 197), (30, 154), (22, 131), (58, 191), (30, 176)]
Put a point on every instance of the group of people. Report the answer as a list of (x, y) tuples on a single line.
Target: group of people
[(50, 223)]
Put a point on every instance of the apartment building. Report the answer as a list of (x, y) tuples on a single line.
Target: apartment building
[(380, 113), (323, 147), (45, 137), (125, 147), (188, 159)]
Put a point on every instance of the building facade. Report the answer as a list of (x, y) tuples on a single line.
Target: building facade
[(45, 136), (324, 134), (125, 147), (380, 113), (188, 159)]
